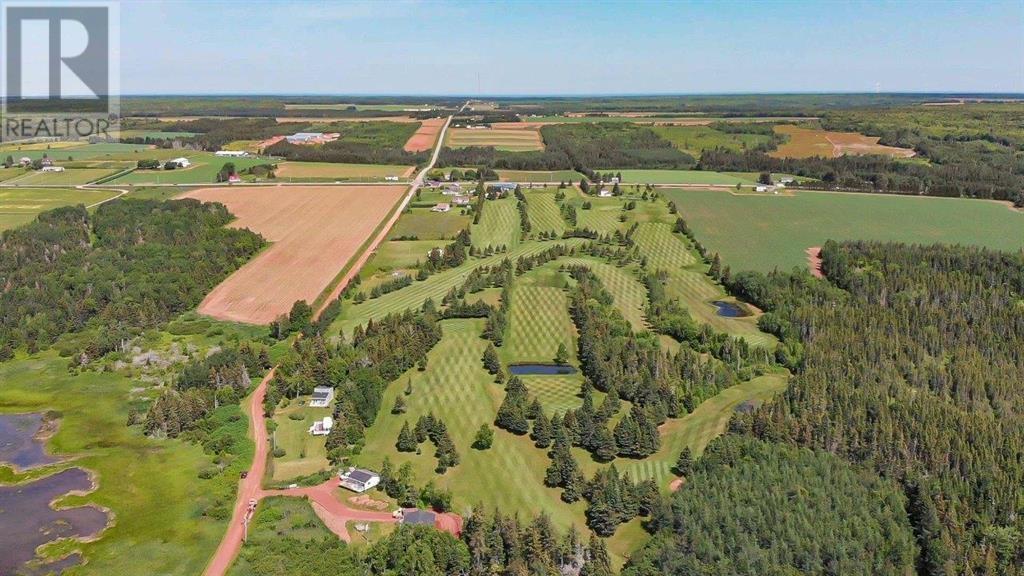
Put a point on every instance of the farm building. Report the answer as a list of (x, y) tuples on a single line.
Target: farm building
[(231, 153), (322, 427), (46, 162), (322, 397), (181, 162), (505, 187), (25, 161), (53, 168), (442, 207), (358, 480), (312, 137), (605, 194)]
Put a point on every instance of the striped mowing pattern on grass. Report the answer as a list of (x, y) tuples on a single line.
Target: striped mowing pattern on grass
[(696, 291), (663, 249), (629, 294), (556, 393), (538, 323), (436, 286), (600, 221), (456, 388), (544, 213), (499, 224)]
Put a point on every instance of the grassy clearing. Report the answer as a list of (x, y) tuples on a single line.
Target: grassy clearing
[(499, 225), (276, 516), (69, 177), (304, 453), (680, 177), (151, 486), (544, 212), (539, 176), (505, 140), (21, 205), (423, 224), (696, 139), (331, 171), (696, 291), (766, 232), (112, 151), (399, 255)]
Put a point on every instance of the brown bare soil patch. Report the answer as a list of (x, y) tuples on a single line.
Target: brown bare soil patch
[(365, 501), (676, 484), (814, 261), (314, 230), (808, 142), (426, 135)]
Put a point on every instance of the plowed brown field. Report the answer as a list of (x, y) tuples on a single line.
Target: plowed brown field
[(314, 230), (425, 136)]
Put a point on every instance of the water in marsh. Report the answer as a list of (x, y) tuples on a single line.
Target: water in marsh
[(729, 309), (540, 369), (27, 520), (19, 444)]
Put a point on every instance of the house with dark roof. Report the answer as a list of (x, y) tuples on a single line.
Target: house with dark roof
[(358, 480), (322, 397)]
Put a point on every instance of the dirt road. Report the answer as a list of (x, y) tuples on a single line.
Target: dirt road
[(362, 258)]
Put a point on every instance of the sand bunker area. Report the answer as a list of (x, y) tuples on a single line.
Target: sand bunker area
[(314, 231)]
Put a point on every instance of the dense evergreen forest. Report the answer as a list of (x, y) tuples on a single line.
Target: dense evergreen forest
[(132, 264), (909, 366)]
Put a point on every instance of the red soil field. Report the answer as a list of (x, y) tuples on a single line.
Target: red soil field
[(425, 137), (314, 231)]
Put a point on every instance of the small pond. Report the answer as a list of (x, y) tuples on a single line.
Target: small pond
[(540, 369), (27, 520), (20, 445), (730, 309)]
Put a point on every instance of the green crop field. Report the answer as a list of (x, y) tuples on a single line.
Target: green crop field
[(680, 177), (553, 176), (69, 177), (112, 151), (326, 171), (204, 169), (20, 205), (499, 225), (544, 213), (761, 232), (151, 486)]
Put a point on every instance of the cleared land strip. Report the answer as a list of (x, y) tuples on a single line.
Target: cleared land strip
[(314, 231)]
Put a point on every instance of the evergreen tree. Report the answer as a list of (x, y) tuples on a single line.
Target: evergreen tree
[(562, 354), (598, 561), (684, 465), (541, 431), (484, 437), (490, 359), (399, 407), (604, 445), (406, 440)]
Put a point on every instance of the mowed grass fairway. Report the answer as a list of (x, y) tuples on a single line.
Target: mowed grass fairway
[(329, 170), (539, 318), (543, 212), (423, 224), (456, 388), (499, 224), (151, 486), (507, 140), (21, 205), (754, 232)]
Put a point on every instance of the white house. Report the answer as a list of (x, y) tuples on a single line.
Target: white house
[(53, 168), (322, 427), (25, 161), (442, 207), (358, 480), (460, 200), (231, 153), (391, 178), (760, 188), (322, 397), (605, 194), (181, 162)]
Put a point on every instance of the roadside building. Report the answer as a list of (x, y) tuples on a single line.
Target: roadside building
[(391, 178), (358, 480), (231, 153), (605, 194), (460, 200), (181, 162), (53, 168)]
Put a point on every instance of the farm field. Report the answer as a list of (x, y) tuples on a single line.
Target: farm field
[(21, 205), (314, 232), (69, 177), (507, 140), (706, 177), (425, 136), (808, 142), (553, 176), (527, 121), (111, 151), (304, 453), (754, 232), (204, 169), (328, 171), (151, 486)]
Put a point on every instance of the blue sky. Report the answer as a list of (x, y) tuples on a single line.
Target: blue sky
[(489, 47)]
